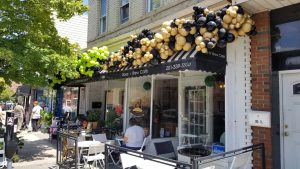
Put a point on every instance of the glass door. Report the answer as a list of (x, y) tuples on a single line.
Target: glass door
[(194, 129)]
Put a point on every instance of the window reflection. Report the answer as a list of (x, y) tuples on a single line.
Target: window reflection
[(139, 101), (114, 105), (165, 109), (285, 37)]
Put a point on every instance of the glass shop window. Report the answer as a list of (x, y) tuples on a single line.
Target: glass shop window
[(165, 108), (114, 103), (139, 101), (285, 37), (70, 101), (124, 11)]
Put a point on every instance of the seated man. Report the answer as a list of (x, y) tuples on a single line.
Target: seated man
[(134, 136)]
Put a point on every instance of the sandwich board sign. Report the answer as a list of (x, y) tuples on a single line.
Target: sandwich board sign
[(10, 121)]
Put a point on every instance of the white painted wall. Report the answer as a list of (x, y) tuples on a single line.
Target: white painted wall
[(74, 29)]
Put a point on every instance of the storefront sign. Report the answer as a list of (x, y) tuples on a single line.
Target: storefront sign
[(259, 118)]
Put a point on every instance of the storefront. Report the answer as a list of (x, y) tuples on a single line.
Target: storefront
[(176, 100), (193, 96)]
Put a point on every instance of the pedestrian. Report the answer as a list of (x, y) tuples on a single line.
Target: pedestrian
[(36, 115), (19, 113), (134, 136)]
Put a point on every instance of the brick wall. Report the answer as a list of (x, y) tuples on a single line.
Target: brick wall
[(261, 82)]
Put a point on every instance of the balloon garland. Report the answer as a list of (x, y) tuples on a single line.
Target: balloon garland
[(90, 62), (206, 30)]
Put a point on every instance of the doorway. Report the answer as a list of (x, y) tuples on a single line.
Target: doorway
[(290, 115)]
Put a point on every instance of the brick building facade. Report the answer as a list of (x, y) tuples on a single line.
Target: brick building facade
[(261, 81)]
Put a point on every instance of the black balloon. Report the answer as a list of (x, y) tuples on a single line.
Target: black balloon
[(145, 31), (150, 37), (222, 33), (201, 21), (222, 43), (211, 26), (210, 45), (206, 40), (210, 16), (190, 38), (230, 37), (213, 40), (218, 21), (240, 10), (155, 53), (172, 45), (173, 25), (172, 38), (223, 12)]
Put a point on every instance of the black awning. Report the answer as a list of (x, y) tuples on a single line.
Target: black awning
[(214, 61)]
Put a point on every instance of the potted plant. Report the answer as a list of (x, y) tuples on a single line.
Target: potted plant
[(93, 117), (46, 119)]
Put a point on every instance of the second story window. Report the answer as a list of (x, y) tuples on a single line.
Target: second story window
[(124, 10), (103, 14), (153, 4)]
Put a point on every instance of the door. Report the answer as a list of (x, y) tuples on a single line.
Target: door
[(291, 120)]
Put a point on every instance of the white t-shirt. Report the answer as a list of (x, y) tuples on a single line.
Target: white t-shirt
[(135, 135), (36, 112)]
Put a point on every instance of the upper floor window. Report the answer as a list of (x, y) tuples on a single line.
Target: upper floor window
[(124, 11), (153, 4), (103, 14)]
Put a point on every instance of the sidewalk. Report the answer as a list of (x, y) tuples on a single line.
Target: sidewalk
[(38, 152)]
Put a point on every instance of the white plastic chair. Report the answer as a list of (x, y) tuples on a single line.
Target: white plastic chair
[(241, 161), (144, 143), (100, 137), (95, 154)]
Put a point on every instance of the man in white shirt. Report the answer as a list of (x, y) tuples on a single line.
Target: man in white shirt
[(134, 136)]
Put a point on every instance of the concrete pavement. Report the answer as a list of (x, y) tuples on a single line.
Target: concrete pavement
[(38, 152)]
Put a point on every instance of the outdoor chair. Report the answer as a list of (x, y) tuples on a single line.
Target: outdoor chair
[(165, 149), (143, 145), (100, 137), (241, 161), (95, 155)]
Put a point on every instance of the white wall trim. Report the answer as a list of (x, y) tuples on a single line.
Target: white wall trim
[(238, 95)]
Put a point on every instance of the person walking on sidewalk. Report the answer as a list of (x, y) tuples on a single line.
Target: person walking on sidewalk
[(36, 115), (19, 113)]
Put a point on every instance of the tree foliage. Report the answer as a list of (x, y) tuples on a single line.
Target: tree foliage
[(31, 51), (5, 92)]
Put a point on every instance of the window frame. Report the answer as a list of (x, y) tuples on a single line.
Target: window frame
[(149, 6), (123, 20), (101, 18)]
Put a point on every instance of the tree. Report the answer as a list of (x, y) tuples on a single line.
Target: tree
[(5, 92), (31, 51)]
